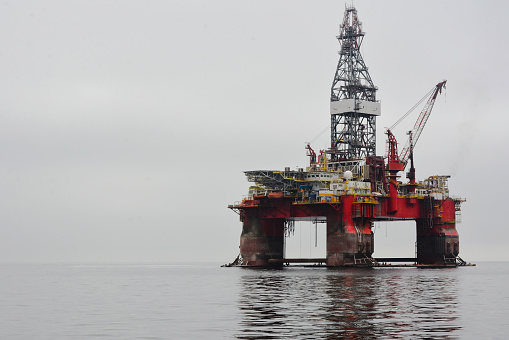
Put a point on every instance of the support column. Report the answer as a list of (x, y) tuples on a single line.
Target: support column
[(437, 237), (438, 246), (261, 239), (348, 238)]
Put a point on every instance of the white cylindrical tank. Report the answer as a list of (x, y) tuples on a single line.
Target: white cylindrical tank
[(348, 175)]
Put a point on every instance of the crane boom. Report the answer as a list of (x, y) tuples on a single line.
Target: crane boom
[(312, 155), (420, 123)]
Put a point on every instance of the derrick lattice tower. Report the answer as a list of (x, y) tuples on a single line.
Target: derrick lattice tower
[(353, 96)]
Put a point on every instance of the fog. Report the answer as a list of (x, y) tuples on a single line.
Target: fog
[(125, 126)]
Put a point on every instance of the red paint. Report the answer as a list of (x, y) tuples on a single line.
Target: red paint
[(349, 224)]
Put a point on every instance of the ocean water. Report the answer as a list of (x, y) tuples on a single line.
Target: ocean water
[(204, 301)]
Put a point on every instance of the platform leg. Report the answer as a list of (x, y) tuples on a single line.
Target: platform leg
[(348, 239), (262, 239), (438, 244)]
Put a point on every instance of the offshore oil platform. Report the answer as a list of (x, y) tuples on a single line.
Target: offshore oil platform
[(348, 187)]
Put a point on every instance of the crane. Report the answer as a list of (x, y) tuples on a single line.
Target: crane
[(322, 158), (414, 134), (312, 155)]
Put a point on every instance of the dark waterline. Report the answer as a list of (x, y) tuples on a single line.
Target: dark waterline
[(176, 301)]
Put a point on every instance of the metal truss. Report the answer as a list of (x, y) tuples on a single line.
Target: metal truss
[(353, 134)]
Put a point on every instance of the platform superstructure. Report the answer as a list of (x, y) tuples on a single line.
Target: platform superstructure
[(347, 186)]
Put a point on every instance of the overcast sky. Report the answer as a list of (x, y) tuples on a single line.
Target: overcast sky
[(125, 125)]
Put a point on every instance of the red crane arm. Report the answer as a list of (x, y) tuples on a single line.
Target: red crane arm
[(420, 123), (312, 155)]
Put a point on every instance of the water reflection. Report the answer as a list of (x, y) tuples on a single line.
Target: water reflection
[(348, 303), (351, 303)]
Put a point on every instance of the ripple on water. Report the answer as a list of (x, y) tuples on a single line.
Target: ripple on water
[(351, 303)]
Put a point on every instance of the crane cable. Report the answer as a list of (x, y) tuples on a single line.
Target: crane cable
[(413, 108), (395, 124), (321, 133)]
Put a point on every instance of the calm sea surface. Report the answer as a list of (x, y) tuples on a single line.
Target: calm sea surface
[(204, 301)]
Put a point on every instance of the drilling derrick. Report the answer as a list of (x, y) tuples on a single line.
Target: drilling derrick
[(353, 96), (348, 187)]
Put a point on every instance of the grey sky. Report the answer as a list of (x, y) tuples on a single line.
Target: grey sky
[(125, 125)]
